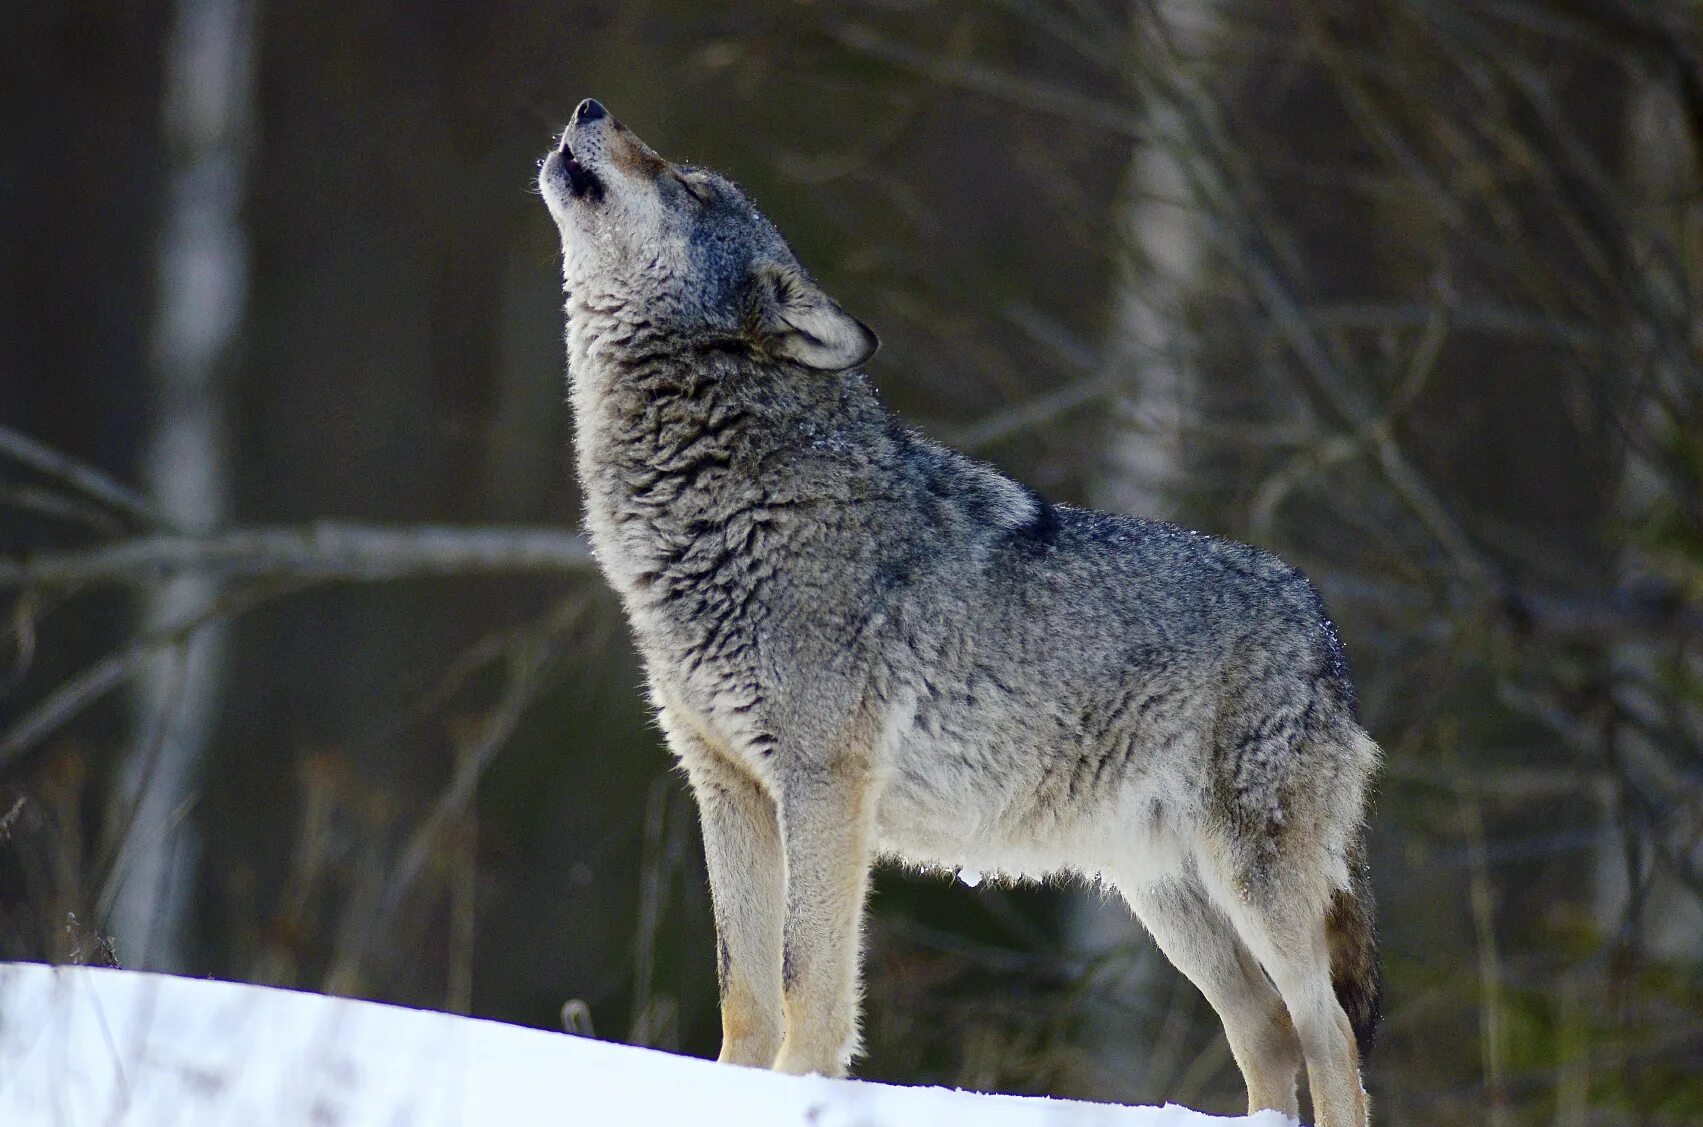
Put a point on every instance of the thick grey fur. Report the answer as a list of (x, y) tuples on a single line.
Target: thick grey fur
[(857, 626)]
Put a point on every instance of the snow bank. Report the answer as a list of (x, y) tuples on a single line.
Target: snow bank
[(87, 1046)]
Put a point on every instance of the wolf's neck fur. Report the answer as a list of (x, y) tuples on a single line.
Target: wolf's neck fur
[(679, 437), (721, 484)]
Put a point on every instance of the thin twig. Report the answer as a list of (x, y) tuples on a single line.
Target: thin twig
[(527, 662), (121, 823), (78, 476), (991, 82), (63, 507), (74, 695)]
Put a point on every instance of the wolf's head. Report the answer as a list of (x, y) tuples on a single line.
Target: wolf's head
[(684, 249)]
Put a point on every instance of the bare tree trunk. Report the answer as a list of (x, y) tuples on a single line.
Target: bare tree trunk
[(1659, 164), (1165, 265), (202, 279)]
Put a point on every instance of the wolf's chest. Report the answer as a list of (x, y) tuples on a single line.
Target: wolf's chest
[(694, 605)]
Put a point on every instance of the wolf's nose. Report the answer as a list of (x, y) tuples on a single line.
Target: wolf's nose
[(589, 111)]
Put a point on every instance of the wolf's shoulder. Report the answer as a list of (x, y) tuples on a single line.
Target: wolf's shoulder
[(1232, 588), (992, 505)]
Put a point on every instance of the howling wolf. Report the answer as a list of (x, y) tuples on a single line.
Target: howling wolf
[(862, 644)]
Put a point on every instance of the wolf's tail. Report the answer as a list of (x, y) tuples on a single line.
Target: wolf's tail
[(1354, 973)]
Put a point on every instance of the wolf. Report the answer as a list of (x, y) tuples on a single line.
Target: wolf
[(861, 645)]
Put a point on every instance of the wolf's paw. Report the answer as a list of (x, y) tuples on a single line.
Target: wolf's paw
[(797, 1062)]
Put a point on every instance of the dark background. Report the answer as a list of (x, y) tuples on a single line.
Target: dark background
[(1405, 290)]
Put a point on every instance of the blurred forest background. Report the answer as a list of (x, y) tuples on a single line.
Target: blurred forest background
[(304, 678)]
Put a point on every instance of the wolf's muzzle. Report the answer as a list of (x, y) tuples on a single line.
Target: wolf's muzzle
[(583, 183)]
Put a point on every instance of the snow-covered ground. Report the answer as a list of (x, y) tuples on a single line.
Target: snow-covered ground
[(86, 1046)]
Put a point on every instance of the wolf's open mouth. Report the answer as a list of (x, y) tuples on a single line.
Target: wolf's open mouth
[(582, 182)]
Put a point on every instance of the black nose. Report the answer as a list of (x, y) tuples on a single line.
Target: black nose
[(589, 111)]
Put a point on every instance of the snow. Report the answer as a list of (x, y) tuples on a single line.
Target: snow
[(80, 1045)]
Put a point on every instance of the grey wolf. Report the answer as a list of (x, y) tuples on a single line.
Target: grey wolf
[(861, 644)]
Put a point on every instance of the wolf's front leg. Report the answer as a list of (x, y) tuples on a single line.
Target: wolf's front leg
[(827, 817), (742, 850)]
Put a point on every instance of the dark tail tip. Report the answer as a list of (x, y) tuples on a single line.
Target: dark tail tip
[(1354, 973)]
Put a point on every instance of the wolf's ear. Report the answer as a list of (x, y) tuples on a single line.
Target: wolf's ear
[(802, 323)]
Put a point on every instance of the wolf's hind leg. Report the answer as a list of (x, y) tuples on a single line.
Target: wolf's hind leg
[(1201, 942), (742, 850), (1286, 931)]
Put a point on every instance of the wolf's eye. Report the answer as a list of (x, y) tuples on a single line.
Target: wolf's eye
[(699, 189)]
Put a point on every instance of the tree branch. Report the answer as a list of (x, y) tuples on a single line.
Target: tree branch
[(322, 552), (1619, 614)]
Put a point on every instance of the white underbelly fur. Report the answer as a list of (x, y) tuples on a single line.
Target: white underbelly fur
[(936, 818)]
